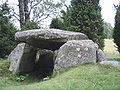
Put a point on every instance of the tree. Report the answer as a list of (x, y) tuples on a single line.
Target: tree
[(7, 31), (116, 33), (23, 12), (108, 30), (38, 9), (57, 23), (31, 25), (85, 16)]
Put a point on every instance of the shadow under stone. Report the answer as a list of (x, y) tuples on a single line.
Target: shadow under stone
[(45, 64)]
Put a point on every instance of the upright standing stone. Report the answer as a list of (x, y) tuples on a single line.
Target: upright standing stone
[(75, 52), (100, 56), (22, 58)]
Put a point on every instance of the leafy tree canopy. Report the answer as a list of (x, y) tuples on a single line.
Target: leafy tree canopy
[(108, 30), (84, 16), (7, 31), (116, 33)]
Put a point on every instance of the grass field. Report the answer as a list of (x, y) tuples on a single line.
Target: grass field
[(110, 49), (82, 77)]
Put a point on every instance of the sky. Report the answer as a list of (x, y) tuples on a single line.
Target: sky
[(108, 10)]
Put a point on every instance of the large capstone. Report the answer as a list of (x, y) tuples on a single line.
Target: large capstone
[(22, 58), (75, 52), (51, 39)]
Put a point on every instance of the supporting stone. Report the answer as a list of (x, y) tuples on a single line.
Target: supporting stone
[(75, 52), (100, 56), (22, 59)]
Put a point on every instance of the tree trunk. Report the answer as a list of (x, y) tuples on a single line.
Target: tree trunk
[(26, 10), (21, 13)]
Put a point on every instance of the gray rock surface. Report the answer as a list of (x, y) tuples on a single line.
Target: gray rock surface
[(113, 63), (100, 56), (48, 38), (75, 52), (22, 58)]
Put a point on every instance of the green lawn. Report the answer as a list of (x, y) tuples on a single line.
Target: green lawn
[(82, 77)]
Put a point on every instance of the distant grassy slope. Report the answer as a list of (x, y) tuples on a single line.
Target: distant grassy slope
[(83, 77), (110, 49)]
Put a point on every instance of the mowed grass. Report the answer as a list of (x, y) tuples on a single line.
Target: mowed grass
[(81, 77)]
